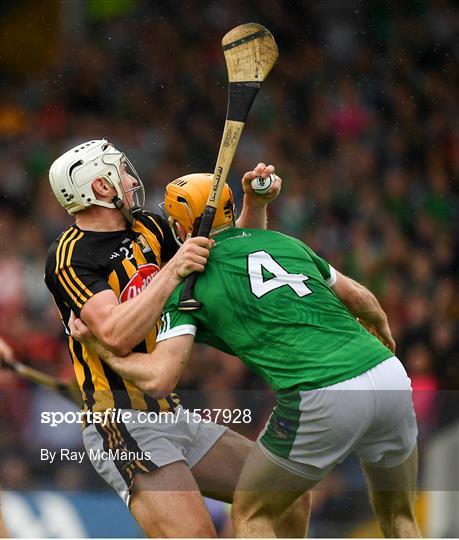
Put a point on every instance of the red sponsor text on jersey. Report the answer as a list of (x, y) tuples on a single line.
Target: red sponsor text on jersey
[(139, 281)]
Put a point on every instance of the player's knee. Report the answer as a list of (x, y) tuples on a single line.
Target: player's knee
[(239, 508), (175, 530), (249, 520), (305, 501), (403, 513), (171, 527), (245, 507), (393, 507), (254, 505), (200, 531), (399, 524)]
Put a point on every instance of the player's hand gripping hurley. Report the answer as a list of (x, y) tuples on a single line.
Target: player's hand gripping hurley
[(250, 53)]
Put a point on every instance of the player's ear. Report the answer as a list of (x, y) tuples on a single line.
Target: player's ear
[(102, 188)]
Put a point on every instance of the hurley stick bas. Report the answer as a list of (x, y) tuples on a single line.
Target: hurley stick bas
[(250, 53), (69, 390)]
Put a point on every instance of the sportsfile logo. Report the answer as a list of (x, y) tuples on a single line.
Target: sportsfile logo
[(139, 281)]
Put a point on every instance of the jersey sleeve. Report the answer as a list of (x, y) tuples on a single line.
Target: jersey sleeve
[(178, 323), (174, 322), (73, 281), (326, 270)]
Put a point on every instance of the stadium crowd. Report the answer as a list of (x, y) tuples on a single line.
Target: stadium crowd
[(360, 118)]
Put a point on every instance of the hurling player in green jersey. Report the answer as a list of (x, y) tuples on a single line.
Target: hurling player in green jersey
[(294, 320)]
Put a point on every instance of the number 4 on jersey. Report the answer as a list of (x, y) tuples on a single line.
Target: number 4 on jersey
[(261, 259)]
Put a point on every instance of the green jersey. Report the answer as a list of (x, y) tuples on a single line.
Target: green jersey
[(267, 298)]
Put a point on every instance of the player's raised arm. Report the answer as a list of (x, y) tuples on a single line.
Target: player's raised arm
[(156, 374), (364, 305), (253, 214)]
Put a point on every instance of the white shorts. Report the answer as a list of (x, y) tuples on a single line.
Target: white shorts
[(310, 431), (119, 451)]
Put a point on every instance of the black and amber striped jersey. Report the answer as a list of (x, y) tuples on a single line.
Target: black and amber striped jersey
[(81, 264)]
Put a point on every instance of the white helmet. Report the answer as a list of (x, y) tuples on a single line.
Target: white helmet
[(72, 174)]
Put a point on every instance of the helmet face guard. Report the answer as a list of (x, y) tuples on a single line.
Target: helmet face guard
[(129, 187)]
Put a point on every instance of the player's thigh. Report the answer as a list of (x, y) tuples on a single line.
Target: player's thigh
[(401, 478), (265, 487), (167, 503), (392, 490), (218, 471)]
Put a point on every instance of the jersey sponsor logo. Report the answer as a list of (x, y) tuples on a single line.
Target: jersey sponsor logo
[(281, 428), (139, 281), (144, 245), (242, 235)]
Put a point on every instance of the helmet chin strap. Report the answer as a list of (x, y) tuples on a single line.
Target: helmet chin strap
[(123, 209), (172, 223)]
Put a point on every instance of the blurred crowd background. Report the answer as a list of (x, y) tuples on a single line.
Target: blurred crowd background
[(360, 118)]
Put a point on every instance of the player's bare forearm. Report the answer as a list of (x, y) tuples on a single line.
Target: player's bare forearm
[(364, 305), (254, 210), (367, 307), (253, 217), (156, 373), (120, 327), (135, 367)]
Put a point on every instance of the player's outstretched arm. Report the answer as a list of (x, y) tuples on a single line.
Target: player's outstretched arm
[(253, 214), (120, 327), (364, 305), (156, 373)]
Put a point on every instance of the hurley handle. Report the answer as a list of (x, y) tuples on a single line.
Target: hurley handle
[(187, 302), (250, 53)]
